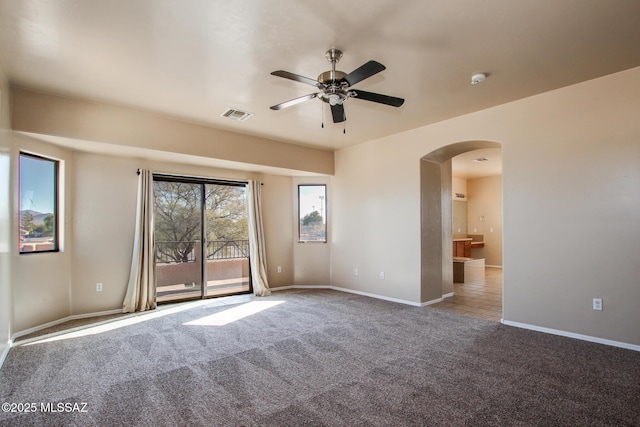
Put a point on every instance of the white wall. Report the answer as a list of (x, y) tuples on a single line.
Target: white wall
[(571, 206)]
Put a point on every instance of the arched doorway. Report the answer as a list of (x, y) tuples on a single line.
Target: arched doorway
[(436, 212)]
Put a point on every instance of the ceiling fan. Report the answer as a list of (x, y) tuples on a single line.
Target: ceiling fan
[(336, 86)]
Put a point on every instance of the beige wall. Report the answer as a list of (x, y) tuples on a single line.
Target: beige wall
[(44, 114), (41, 282), (104, 209), (563, 244), (99, 213), (376, 219), (459, 185), (104, 212), (6, 308), (485, 200), (311, 261), (277, 203), (101, 200), (571, 206)]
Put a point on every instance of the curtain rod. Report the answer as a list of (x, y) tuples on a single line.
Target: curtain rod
[(230, 181)]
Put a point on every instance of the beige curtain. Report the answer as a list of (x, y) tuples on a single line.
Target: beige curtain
[(257, 253), (141, 291)]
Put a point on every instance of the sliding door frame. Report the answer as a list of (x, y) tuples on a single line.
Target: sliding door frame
[(203, 181)]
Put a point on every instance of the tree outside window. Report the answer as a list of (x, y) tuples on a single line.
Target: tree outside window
[(312, 208)]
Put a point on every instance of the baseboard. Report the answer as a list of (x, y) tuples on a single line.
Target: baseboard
[(572, 335), (431, 302), (59, 321), (350, 291), (382, 297), (494, 266), (449, 295), (284, 288)]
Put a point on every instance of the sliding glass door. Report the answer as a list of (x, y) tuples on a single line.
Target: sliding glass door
[(201, 238), (226, 240)]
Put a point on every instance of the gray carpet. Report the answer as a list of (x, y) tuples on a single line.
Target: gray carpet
[(321, 358)]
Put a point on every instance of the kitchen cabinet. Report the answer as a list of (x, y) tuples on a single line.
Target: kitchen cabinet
[(462, 247)]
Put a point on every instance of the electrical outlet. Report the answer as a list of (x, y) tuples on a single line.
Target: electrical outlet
[(98, 287), (279, 269), (356, 272), (491, 230), (382, 275), (597, 304)]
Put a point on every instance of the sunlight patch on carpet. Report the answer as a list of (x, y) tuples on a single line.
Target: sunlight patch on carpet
[(233, 314)]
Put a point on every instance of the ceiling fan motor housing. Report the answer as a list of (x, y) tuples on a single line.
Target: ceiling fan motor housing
[(331, 76)]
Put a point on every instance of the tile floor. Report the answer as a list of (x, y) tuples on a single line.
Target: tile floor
[(481, 299)]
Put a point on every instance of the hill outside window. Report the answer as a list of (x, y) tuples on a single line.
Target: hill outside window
[(38, 204)]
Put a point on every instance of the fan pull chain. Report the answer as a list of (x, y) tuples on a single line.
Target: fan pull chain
[(322, 114)]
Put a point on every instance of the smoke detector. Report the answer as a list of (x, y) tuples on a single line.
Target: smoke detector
[(478, 78)]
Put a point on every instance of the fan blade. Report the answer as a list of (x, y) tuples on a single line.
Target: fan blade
[(376, 97), (295, 77), (294, 101), (364, 72), (337, 111)]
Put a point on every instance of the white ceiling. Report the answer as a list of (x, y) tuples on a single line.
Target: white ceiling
[(193, 59)]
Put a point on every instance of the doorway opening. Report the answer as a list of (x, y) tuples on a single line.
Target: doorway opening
[(201, 238), (438, 229)]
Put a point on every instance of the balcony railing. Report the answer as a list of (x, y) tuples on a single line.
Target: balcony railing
[(226, 249), (168, 252)]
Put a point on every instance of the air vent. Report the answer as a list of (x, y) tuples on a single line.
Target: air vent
[(238, 115)]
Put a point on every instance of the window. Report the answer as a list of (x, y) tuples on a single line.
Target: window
[(312, 213), (38, 204)]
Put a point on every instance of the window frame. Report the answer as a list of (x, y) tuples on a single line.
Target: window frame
[(324, 215), (56, 199)]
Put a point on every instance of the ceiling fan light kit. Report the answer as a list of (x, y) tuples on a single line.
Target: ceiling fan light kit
[(335, 86)]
